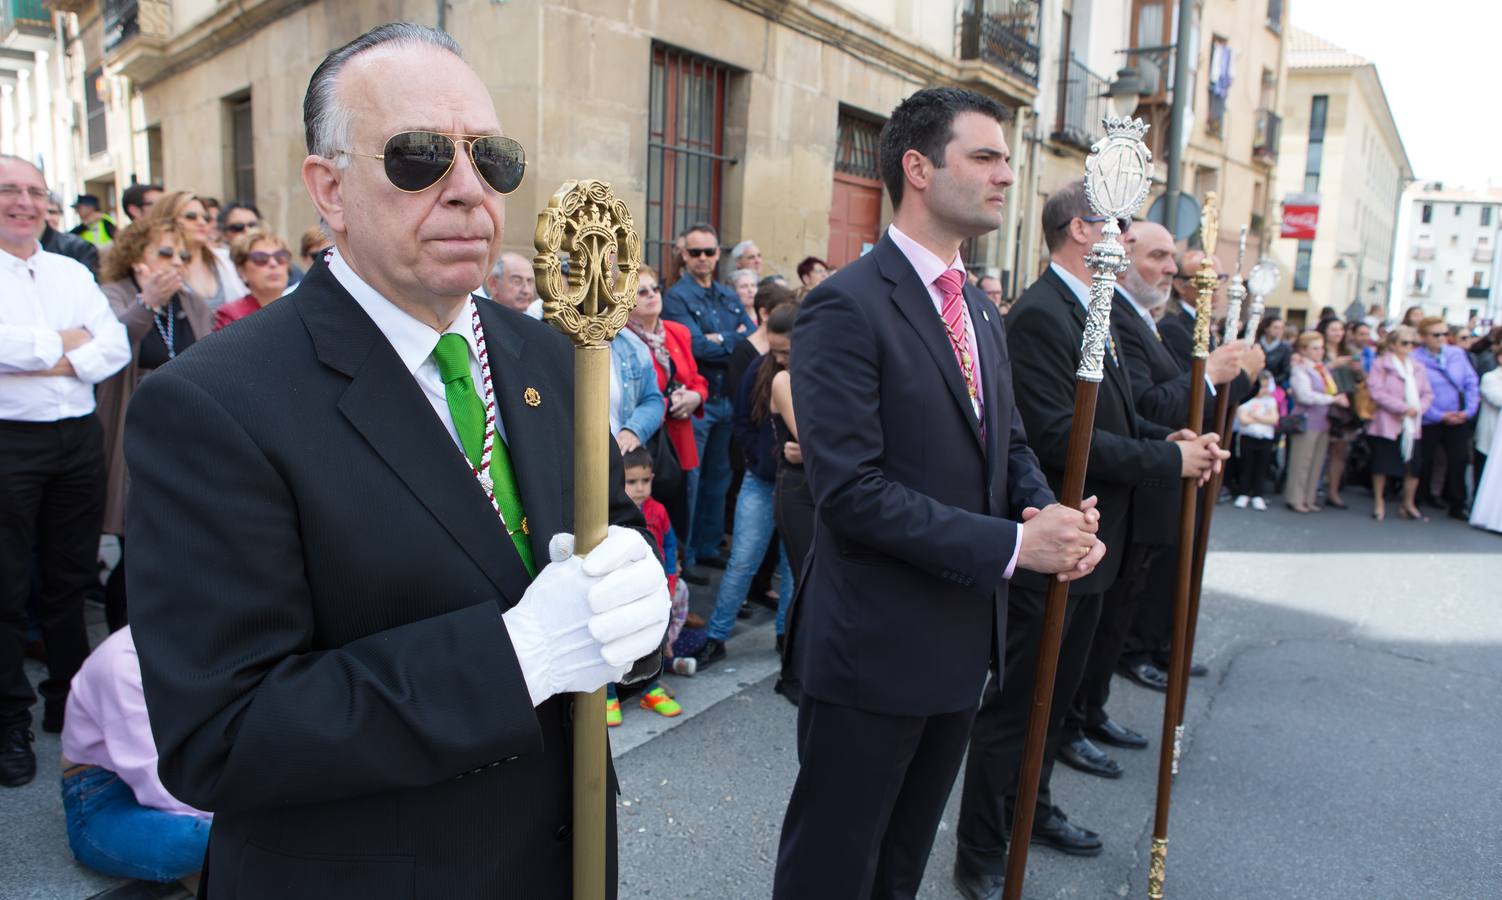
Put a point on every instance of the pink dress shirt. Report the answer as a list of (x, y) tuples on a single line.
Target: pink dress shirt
[(929, 267), (106, 726)]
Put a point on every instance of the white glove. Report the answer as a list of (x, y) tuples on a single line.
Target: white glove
[(583, 622)]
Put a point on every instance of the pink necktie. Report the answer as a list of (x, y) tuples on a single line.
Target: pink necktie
[(951, 285)]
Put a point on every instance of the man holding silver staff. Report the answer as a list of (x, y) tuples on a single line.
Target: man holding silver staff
[(1045, 331)]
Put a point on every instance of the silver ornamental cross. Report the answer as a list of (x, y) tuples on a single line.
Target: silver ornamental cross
[(1118, 174), (1236, 292)]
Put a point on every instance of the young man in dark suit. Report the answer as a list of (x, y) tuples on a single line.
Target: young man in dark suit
[(349, 653), (1045, 329), (923, 481)]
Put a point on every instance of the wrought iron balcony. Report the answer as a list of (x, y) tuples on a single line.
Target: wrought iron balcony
[(1003, 33), (1477, 293), (1423, 251), (1082, 103), (135, 33), (1269, 129), (1418, 290), (1483, 254)]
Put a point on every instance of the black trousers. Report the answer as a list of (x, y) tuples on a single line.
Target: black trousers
[(1118, 610), (996, 741), (793, 507), (871, 790), (1256, 459), (51, 510), (1454, 441)]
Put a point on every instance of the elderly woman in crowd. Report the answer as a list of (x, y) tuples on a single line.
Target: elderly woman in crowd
[(744, 281), (1401, 393), (210, 275), (261, 259), (142, 277), (1314, 393), (679, 381)]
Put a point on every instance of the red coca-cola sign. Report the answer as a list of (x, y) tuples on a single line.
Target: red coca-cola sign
[(1300, 216)]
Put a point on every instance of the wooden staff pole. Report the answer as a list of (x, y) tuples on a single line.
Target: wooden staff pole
[(1117, 176), (590, 305), (1206, 281)]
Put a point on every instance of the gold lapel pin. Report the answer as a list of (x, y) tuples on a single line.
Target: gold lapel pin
[(531, 396)]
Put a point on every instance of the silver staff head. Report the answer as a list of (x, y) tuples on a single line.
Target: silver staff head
[(1118, 174)]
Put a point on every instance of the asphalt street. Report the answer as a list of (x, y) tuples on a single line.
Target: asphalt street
[(1342, 746)]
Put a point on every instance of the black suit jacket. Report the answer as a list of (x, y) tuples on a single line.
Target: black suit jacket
[(317, 583), (1044, 332), (902, 597), (1177, 328), (1160, 388)]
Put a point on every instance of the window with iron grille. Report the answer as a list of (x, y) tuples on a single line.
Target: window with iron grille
[(243, 147), (856, 147), (94, 112), (685, 148)]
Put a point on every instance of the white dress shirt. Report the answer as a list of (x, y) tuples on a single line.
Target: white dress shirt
[(414, 341), (40, 296), (929, 267)]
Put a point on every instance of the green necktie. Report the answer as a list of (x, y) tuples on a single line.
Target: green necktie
[(468, 410)]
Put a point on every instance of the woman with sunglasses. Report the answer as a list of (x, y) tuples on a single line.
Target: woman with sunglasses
[(1401, 393), (261, 259), (683, 388), (210, 275), (142, 277)]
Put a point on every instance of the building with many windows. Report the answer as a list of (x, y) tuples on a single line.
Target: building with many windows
[(1447, 253), (757, 116), (1341, 150)]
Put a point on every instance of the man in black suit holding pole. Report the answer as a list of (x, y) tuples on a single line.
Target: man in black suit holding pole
[(352, 582), (927, 500), (1045, 330)]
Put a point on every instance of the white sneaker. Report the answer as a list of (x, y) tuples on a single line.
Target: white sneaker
[(1242, 501), (1259, 504)]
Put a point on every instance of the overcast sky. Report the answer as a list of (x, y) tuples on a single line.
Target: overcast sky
[(1438, 64)]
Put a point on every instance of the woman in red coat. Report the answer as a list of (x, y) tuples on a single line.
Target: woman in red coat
[(683, 388)]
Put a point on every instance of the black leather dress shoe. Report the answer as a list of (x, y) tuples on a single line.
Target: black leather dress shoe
[(1117, 735), (976, 885), (1058, 832), (1088, 758), (1147, 675), (52, 717), (712, 652), (18, 764), (693, 576)]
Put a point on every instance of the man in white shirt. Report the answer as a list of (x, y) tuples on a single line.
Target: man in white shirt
[(58, 338)]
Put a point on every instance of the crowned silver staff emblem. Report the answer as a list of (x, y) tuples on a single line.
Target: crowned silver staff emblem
[(1118, 173), (1236, 291), (1262, 281)]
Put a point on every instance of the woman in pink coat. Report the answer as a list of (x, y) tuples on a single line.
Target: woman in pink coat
[(1401, 392)]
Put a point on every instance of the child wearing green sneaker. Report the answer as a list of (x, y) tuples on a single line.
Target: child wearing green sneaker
[(638, 470)]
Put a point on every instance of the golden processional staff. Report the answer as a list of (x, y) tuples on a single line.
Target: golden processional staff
[(1206, 281), (585, 221), (1220, 423), (1118, 174)]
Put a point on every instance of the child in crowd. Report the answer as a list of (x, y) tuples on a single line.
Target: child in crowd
[(120, 819), (638, 470), (1257, 422)]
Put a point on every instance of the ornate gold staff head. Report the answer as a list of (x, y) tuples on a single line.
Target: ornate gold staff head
[(1118, 173), (1236, 291), (1205, 280), (589, 223)]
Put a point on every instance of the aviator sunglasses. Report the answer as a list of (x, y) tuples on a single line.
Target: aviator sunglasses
[(168, 253), (417, 160)]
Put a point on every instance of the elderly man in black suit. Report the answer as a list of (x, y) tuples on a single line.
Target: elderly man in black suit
[(1160, 388), (927, 501), (349, 653), (1045, 329)]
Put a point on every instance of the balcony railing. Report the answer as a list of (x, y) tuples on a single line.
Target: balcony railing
[(1477, 293), (1418, 290), (1269, 129), (28, 16), (1483, 254), (1082, 103), (1003, 33), (1275, 15), (1423, 251)]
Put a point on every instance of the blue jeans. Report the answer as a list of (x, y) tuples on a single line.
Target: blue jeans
[(754, 525), (708, 483), (111, 833)]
